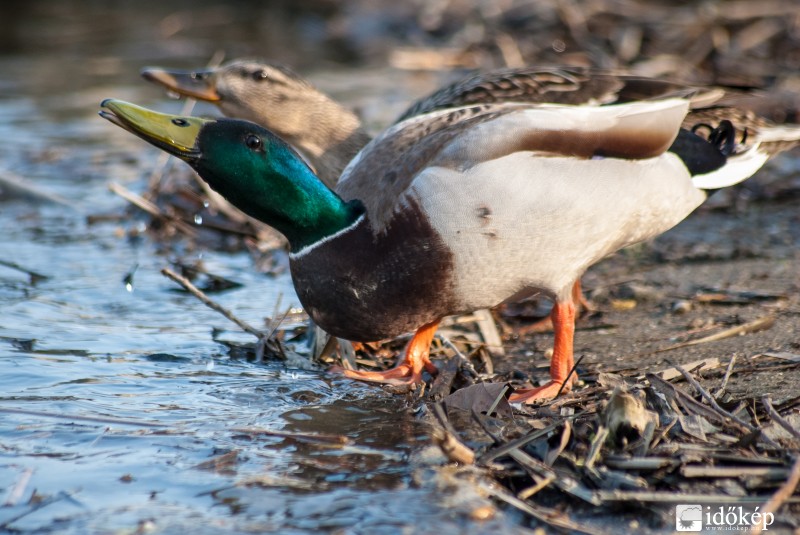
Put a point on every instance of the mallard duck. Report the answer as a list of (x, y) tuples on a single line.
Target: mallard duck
[(466, 208)]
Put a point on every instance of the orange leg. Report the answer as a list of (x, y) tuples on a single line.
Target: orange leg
[(563, 316), (408, 370), (581, 303), (546, 324)]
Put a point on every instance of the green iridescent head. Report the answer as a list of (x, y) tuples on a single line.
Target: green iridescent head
[(248, 165)]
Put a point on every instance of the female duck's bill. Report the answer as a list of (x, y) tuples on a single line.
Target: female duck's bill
[(194, 84)]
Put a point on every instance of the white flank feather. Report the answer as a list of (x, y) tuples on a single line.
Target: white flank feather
[(742, 166), (737, 169)]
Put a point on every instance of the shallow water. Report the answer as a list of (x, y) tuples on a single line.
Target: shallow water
[(112, 400)]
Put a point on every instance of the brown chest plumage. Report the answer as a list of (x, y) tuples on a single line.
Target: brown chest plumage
[(363, 287)]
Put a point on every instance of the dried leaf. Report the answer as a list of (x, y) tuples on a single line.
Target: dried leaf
[(610, 380), (480, 398), (694, 425)]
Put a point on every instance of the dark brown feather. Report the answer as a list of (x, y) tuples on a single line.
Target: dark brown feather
[(366, 289)]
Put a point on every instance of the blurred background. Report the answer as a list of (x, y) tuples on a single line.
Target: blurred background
[(735, 42)]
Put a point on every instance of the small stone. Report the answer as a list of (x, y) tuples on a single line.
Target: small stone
[(681, 307), (623, 304), (640, 292), (484, 512)]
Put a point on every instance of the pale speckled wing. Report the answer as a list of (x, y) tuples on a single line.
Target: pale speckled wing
[(384, 170), (633, 131)]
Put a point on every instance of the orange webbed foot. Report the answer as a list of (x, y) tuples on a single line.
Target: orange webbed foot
[(409, 370), (402, 374), (546, 392)]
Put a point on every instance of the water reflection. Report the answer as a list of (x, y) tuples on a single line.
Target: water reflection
[(382, 434)]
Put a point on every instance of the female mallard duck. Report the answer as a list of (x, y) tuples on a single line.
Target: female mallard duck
[(329, 135), (466, 208)]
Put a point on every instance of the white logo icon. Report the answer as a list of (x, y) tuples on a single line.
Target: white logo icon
[(688, 518)]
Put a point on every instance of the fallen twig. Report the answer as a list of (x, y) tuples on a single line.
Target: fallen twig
[(443, 382), (672, 372), (497, 400), (34, 276), (726, 377), (640, 463), (781, 495), (675, 497), (539, 470), (499, 451), (692, 405), (713, 402), (192, 289), (754, 326), (488, 329), (447, 439), (528, 492), (784, 355), (24, 187), (689, 403), (771, 472), (595, 447), (553, 454), (569, 375), (149, 207), (550, 517), (63, 495)]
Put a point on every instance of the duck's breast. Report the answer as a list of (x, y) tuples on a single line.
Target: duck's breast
[(527, 222), (367, 287)]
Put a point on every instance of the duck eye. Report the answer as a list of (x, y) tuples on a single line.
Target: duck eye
[(180, 122), (258, 76), (253, 142)]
